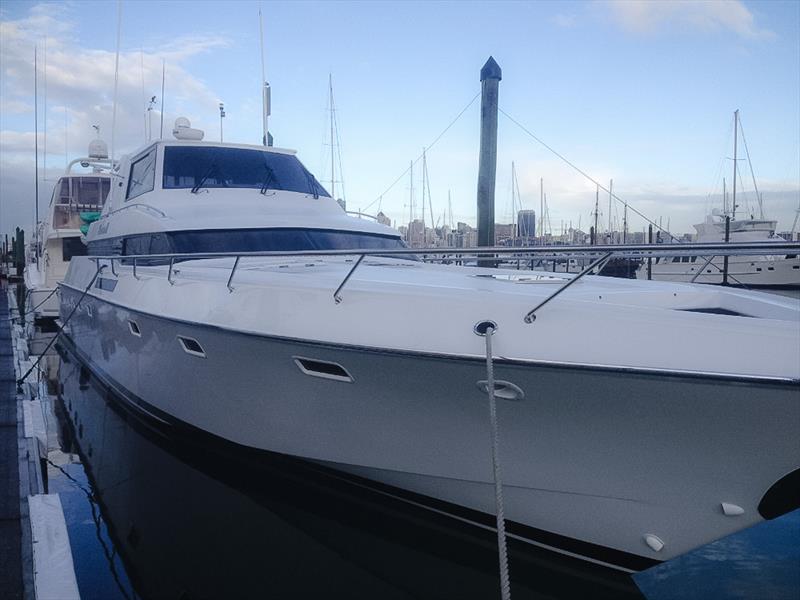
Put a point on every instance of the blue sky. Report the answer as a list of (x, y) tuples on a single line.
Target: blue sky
[(641, 92)]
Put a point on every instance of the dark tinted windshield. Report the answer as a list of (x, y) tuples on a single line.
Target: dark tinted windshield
[(255, 240), (214, 167)]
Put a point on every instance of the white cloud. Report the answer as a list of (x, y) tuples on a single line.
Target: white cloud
[(80, 80), (647, 16)]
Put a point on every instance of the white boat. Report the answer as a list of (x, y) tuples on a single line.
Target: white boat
[(616, 446), (771, 270), (59, 236), (768, 270)]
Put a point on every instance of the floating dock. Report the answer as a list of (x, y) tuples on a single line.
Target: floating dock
[(35, 554)]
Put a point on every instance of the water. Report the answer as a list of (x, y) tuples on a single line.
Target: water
[(151, 515)]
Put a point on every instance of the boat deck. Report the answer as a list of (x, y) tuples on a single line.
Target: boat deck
[(10, 517)]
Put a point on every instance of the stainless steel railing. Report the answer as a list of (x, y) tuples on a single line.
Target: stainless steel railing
[(596, 255)]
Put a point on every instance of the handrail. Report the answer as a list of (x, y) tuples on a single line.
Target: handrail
[(136, 205), (541, 252), (622, 250), (531, 316)]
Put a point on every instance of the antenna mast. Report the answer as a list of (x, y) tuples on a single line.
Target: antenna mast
[(36, 146), (163, 78), (116, 80), (266, 139)]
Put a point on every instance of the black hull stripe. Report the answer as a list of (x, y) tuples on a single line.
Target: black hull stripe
[(594, 552), (637, 371)]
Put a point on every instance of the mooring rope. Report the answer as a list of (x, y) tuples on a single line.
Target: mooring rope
[(505, 582), (61, 327), (55, 289)]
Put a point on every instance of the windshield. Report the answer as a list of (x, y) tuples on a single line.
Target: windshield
[(196, 167)]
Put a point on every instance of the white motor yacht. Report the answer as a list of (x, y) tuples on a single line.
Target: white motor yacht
[(638, 420), (771, 270), (59, 235)]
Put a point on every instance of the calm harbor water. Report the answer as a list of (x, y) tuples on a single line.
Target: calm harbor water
[(154, 516)]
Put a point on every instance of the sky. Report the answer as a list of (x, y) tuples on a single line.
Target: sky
[(635, 91)]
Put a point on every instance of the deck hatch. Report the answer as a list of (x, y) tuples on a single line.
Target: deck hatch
[(191, 346), (323, 369)]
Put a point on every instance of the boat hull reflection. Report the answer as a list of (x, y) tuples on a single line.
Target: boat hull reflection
[(195, 519)]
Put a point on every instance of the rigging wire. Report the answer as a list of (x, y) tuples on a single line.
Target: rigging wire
[(752, 173), (586, 175), (428, 147)]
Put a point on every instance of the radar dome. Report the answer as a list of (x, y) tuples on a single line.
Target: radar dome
[(98, 149), (183, 130)]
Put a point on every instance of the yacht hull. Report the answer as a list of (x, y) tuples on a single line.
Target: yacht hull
[(760, 272), (593, 459)]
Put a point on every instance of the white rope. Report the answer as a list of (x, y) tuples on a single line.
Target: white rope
[(505, 582)]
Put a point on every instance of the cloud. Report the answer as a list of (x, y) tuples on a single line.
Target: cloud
[(80, 93), (648, 16), (82, 80)]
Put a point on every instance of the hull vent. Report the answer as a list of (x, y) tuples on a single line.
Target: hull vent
[(192, 346), (323, 369)]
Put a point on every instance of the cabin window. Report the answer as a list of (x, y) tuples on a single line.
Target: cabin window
[(256, 240), (217, 167), (72, 246), (142, 177)]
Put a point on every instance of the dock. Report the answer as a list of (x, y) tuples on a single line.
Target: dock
[(10, 509), (35, 553)]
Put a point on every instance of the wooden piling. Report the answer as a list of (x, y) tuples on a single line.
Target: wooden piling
[(491, 75)]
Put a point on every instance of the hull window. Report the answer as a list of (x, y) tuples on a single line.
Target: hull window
[(134, 328)]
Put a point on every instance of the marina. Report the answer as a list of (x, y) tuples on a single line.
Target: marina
[(226, 374)]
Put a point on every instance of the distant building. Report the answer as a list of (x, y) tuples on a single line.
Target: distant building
[(416, 234)]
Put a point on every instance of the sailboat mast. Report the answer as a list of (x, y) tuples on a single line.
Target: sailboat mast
[(424, 176), (541, 210), (427, 183), (610, 223), (724, 197), (596, 211), (333, 155), (513, 203), (735, 139)]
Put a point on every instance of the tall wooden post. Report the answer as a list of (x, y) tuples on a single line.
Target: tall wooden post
[(487, 169)]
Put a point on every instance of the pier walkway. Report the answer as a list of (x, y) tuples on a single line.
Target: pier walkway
[(10, 527)]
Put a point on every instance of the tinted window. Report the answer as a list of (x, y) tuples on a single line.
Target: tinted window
[(255, 240), (143, 175), (72, 246), (215, 167)]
